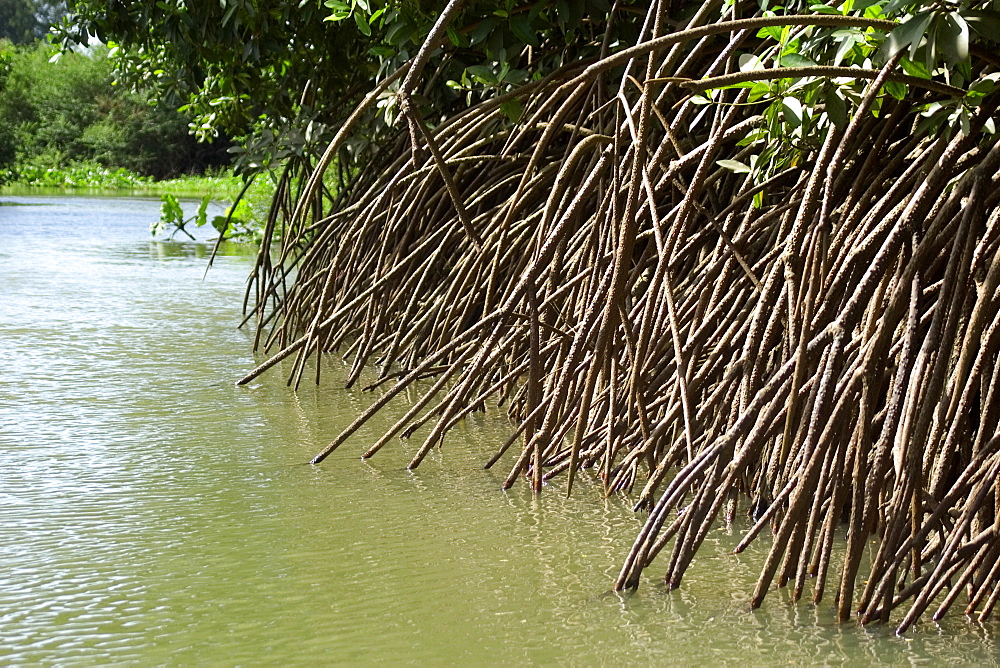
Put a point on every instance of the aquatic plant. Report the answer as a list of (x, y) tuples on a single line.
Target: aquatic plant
[(40, 174)]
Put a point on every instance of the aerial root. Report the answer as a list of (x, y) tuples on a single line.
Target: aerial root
[(821, 342)]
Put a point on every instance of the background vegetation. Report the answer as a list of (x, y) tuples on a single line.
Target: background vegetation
[(61, 116), (24, 21)]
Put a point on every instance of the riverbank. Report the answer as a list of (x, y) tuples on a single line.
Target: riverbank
[(90, 180), (93, 179)]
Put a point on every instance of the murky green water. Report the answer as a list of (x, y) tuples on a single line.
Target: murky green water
[(153, 513)]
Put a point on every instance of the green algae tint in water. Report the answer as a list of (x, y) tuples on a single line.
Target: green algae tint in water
[(151, 512)]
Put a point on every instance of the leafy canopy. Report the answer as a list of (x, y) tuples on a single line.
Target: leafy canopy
[(281, 74)]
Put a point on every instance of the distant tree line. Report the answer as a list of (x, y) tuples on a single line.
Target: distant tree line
[(59, 109), (24, 21)]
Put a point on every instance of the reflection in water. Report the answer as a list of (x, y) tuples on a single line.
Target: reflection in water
[(152, 512)]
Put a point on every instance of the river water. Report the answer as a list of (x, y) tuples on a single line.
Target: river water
[(151, 512)]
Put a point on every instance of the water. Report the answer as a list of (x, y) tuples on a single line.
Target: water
[(151, 512)]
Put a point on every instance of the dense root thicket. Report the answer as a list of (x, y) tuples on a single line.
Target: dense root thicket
[(819, 347)]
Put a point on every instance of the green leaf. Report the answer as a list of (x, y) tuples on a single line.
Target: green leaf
[(963, 73), (963, 120), (759, 90), (577, 10), (483, 30), (930, 46), (482, 74), (955, 38), (201, 217), (915, 68), (864, 4), (895, 5), (985, 85), (908, 34), (398, 32), (520, 25), (774, 32), (513, 109), (985, 23), (748, 62), (792, 110), (734, 166), (741, 84), (753, 138), (363, 26), (795, 60), (847, 43), (896, 89), (929, 125), (824, 9), (836, 107), (219, 223), (171, 215)]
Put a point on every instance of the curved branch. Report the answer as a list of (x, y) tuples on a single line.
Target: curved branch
[(699, 85), (722, 27)]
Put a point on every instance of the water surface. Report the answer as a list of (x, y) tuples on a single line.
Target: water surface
[(151, 512)]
